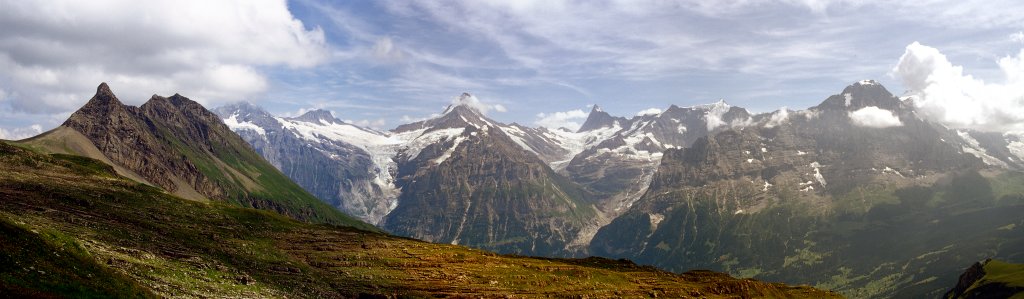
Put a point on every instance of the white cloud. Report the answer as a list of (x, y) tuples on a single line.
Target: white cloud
[(475, 103), (778, 118), (942, 92), (55, 53), (20, 133), (572, 119), (376, 124), (874, 117), (385, 50), (649, 111), (1017, 37)]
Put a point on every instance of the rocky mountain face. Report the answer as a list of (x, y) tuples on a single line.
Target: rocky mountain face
[(177, 145), (481, 189), (821, 197)]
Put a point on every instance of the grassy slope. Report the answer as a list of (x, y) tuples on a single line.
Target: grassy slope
[(253, 182), (124, 234)]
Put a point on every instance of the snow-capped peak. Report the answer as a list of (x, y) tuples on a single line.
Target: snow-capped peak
[(718, 105)]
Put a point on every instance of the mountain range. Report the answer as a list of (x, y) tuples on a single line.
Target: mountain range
[(847, 195), (163, 200)]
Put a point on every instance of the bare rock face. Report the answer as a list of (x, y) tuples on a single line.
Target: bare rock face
[(486, 191), (124, 134)]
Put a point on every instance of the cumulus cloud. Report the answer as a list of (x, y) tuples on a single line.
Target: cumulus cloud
[(20, 133), (473, 102), (942, 92), (572, 119), (649, 111), (874, 117), (55, 53)]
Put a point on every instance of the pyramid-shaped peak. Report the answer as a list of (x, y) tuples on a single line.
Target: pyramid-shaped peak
[(861, 94), (318, 115), (103, 88), (104, 95), (466, 104), (101, 105), (599, 119)]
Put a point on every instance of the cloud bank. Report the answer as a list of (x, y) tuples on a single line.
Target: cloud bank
[(54, 53), (943, 93)]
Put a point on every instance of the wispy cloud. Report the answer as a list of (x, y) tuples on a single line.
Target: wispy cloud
[(536, 56), (572, 119)]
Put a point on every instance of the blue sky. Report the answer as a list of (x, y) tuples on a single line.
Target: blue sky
[(382, 63)]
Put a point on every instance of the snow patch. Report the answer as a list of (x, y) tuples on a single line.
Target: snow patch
[(848, 98), (889, 170), (817, 173), (451, 150), (973, 147), (1016, 148)]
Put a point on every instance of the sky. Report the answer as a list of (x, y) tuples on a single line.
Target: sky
[(540, 63)]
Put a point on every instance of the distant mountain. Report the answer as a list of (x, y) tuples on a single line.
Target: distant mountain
[(72, 227), (457, 178), (309, 150), (886, 208), (177, 145)]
